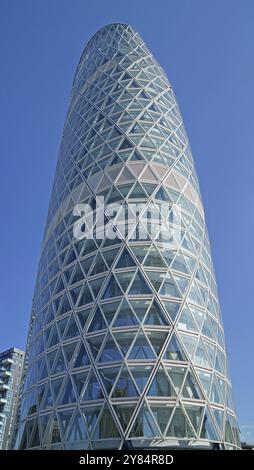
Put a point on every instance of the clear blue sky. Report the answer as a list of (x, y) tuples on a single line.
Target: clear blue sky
[(206, 48)]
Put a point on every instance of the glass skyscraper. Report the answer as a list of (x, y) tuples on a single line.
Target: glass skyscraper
[(11, 367), (126, 344)]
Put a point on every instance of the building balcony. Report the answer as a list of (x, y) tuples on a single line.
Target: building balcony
[(5, 373), (2, 415), (7, 360), (3, 400), (4, 386)]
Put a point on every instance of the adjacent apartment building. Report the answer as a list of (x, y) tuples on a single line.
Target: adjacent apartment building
[(11, 368), (126, 343)]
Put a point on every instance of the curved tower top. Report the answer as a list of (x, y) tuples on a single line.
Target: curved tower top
[(126, 343)]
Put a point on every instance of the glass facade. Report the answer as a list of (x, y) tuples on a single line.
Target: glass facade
[(126, 343), (11, 367)]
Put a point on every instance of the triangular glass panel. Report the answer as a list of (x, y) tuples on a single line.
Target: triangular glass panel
[(74, 293), (155, 316), (141, 375), (43, 370), (219, 416), (48, 399), (138, 192), (110, 256), (162, 195), (50, 359), (65, 306), (83, 316), (136, 156), (205, 378), (116, 160), (109, 310), (194, 295), (144, 425), (139, 286), (68, 394), (44, 421), (155, 278), (87, 262), (126, 144), (124, 413), (125, 316), (70, 257), (198, 316), (67, 274), (124, 279), (95, 344), (125, 260), (79, 380), (124, 340), (91, 414), (140, 251), (61, 325), (64, 418), (35, 437), (195, 414), (169, 287), (80, 358), (106, 426), (95, 285), (191, 389), (174, 351), (182, 283), (229, 434), (157, 339), (179, 426), (161, 385), (71, 330), (186, 321), (172, 308), (59, 364), (78, 274), (167, 254), (99, 266), (124, 386), (208, 430), (189, 342), (68, 350), (140, 308), (141, 348), (112, 289), (40, 392), (216, 394), (207, 328), (53, 437), (179, 264), (92, 390), (50, 314), (201, 357), (177, 375), (110, 351), (108, 376), (154, 259), (54, 337), (86, 296), (77, 429), (162, 414), (98, 322), (55, 386)]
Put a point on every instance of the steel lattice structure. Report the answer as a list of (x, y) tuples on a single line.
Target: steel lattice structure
[(126, 344)]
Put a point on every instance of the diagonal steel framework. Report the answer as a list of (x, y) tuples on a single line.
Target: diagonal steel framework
[(126, 342)]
